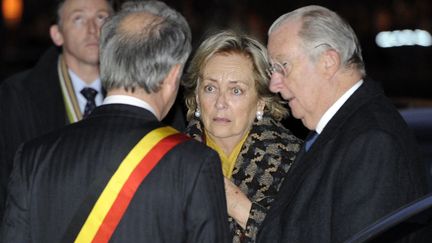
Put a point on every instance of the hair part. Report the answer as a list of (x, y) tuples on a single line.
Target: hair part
[(227, 42), (323, 29), (140, 44)]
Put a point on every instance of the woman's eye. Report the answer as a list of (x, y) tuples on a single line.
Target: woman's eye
[(237, 91), (209, 88)]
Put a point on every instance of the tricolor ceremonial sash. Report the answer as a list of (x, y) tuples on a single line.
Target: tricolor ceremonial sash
[(118, 193)]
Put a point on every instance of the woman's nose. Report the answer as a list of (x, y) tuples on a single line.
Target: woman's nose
[(221, 101)]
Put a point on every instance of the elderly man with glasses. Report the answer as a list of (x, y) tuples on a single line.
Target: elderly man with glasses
[(361, 160)]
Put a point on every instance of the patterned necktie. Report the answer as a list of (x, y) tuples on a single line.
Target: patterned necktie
[(310, 139), (90, 95)]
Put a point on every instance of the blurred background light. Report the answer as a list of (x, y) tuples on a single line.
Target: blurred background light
[(396, 38), (12, 12)]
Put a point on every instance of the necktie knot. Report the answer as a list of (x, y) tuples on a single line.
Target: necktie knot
[(89, 94), (310, 139)]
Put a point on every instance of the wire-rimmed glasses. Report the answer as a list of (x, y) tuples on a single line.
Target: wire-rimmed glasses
[(284, 68), (276, 67)]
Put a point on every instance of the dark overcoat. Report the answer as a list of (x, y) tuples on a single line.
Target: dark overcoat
[(362, 166)]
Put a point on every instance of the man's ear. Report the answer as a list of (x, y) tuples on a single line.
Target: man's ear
[(173, 76), (330, 62), (56, 35), (170, 84)]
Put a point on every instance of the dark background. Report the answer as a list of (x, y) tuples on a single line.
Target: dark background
[(405, 72)]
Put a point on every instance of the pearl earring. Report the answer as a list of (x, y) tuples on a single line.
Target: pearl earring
[(197, 113), (259, 115)]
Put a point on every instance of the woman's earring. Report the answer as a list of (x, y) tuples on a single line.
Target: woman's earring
[(259, 115), (197, 113)]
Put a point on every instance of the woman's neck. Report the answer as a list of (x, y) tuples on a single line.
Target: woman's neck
[(227, 145)]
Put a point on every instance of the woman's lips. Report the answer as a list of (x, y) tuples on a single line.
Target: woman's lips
[(221, 119)]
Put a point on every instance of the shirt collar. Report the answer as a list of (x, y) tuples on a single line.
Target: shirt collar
[(128, 100), (336, 106), (78, 84)]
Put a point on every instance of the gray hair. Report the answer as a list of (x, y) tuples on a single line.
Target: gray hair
[(323, 29), (142, 54), (227, 42)]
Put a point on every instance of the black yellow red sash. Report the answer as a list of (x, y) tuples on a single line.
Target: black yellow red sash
[(118, 193)]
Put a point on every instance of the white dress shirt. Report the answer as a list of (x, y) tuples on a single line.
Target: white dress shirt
[(336, 106)]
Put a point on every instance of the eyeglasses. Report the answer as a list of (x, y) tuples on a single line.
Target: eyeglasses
[(282, 69)]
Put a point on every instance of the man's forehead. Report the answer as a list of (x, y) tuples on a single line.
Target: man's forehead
[(70, 6), (283, 39)]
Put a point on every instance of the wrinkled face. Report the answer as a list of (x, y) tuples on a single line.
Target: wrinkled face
[(227, 97), (79, 29), (295, 76)]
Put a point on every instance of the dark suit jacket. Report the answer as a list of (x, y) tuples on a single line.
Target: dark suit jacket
[(363, 165), (31, 104), (181, 200)]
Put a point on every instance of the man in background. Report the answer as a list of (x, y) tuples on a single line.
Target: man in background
[(53, 93), (360, 161), (121, 175)]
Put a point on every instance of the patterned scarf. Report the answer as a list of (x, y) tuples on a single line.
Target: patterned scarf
[(73, 111)]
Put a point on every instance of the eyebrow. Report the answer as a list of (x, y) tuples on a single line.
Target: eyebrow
[(230, 82), (81, 10)]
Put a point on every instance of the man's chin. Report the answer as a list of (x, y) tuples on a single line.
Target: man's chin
[(91, 54), (92, 61), (294, 113)]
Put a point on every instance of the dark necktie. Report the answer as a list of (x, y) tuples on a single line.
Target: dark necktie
[(90, 95), (310, 139)]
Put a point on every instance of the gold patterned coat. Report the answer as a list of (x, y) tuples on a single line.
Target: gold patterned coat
[(260, 168)]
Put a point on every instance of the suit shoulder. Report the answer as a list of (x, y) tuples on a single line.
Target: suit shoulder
[(47, 139), (196, 146), (378, 115), (41, 73), (195, 150), (14, 82)]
